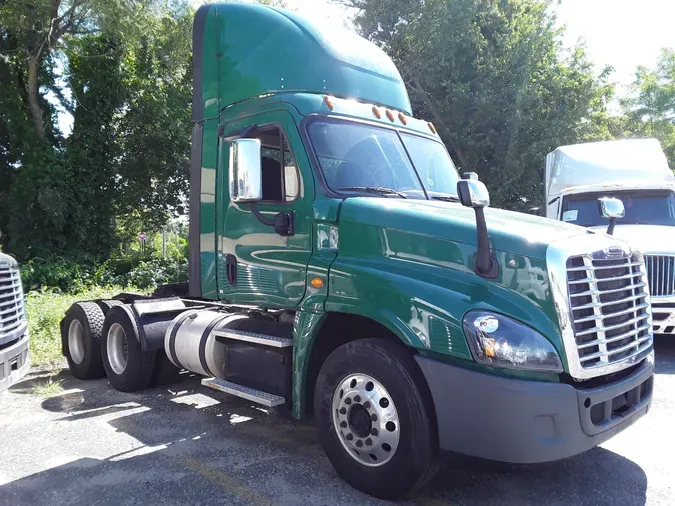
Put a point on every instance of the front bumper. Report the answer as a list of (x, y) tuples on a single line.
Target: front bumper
[(14, 362), (526, 422), (663, 315)]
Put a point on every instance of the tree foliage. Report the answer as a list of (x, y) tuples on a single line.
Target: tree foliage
[(650, 110), (493, 77), (123, 70)]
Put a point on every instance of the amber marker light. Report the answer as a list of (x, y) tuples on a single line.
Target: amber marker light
[(390, 115), (402, 118), (376, 112), (432, 127), (329, 102), (316, 282)]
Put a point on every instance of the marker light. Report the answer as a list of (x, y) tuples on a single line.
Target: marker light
[(376, 112), (390, 115), (402, 118), (432, 127), (500, 341), (317, 282), (329, 102)]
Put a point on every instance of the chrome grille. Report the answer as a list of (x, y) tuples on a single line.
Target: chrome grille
[(661, 274), (12, 314), (610, 310)]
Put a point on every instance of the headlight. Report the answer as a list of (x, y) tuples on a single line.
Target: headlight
[(497, 340)]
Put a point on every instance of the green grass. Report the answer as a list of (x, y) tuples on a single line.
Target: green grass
[(48, 388), (45, 309)]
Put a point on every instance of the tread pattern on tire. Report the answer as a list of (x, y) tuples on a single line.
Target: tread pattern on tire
[(91, 319)]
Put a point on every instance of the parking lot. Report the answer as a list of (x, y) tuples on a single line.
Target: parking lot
[(186, 444)]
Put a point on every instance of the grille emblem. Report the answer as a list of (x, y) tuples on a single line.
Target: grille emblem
[(616, 252)]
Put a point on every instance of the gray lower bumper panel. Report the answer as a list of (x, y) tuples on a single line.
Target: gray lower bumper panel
[(523, 422), (14, 362)]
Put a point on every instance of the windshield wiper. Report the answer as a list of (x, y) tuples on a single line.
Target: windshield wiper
[(374, 189), (446, 198)]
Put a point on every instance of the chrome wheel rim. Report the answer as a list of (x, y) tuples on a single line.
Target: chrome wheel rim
[(76, 341), (366, 420), (118, 348)]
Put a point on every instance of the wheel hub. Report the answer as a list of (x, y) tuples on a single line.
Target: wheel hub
[(117, 348), (366, 420), (76, 341)]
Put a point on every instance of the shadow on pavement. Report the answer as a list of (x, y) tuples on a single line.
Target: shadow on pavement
[(184, 444), (664, 350)]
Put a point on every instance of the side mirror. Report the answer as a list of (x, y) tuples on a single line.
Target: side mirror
[(611, 208), (534, 210), (245, 170), (473, 193)]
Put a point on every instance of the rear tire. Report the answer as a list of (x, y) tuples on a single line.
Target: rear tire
[(127, 367), (375, 418), (82, 328)]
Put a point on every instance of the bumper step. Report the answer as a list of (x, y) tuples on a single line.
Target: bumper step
[(253, 337), (258, 396)]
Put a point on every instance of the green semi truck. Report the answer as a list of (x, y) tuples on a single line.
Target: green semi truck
[(340, 266)]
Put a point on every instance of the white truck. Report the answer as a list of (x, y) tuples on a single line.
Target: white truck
[(636, 172), (14, 359)]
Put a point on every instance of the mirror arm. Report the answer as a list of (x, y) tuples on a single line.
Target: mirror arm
[(283, 223), (610, 227), (484, 263)]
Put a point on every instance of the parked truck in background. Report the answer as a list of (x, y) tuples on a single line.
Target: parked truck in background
[(340, 266), (636, 172), (14, 357)]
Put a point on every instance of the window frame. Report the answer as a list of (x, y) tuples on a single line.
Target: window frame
[(314, 159)]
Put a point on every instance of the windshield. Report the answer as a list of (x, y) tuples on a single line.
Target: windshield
[(353, 155), (647, 207)]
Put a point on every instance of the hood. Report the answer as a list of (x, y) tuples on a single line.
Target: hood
[(645, 238), (509, 231), (6, 261)]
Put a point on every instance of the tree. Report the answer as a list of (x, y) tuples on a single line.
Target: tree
[(650, 109), (493, 77)]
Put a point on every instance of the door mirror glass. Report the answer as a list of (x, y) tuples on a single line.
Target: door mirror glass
[(473, 193), (245, 170), (611, 207)]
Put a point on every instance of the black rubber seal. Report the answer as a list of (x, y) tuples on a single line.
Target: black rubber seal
[(172, 338), (204, 339)]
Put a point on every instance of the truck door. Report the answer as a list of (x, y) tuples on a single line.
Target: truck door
[(256, 264)]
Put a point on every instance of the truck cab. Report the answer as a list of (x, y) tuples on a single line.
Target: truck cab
[(340, 266), (636, 172), (14, 354)]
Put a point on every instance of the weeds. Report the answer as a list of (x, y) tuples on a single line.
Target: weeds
[(48, 388)]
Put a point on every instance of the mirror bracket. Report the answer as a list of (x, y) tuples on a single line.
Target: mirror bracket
[(283, 223)]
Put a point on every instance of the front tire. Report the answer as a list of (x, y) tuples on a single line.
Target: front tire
[(375, 418), (82, 328), (127, 367)]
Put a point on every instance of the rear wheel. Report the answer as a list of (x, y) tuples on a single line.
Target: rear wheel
[(127, 367), (82, 327), (375, 417)]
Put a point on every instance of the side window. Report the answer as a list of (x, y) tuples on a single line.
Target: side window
[(280, 177)]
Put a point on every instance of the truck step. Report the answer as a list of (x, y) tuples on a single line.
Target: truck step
[(258, 396), (253, 337)]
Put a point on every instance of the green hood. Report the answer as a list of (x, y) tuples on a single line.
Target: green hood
[(509, 232)]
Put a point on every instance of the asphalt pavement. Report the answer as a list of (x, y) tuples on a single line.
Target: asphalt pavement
[(186, 444)]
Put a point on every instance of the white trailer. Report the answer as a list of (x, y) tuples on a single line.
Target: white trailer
[(636, 172)]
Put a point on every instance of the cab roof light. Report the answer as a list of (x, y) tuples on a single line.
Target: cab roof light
[(402, 118), (376, 112), (432, 127), (329, 102), (390, 115)]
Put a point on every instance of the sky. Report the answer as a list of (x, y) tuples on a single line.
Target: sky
[(620, 33)]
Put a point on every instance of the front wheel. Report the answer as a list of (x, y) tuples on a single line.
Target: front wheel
[(375, 418)]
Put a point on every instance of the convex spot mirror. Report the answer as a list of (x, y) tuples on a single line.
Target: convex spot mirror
[(611, 207), (245, 170), (473, 193)]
